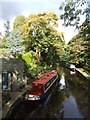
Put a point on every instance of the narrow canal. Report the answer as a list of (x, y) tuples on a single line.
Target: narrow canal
[(69, 99)]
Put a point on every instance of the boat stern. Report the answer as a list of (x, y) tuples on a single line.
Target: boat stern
[(32, 97)]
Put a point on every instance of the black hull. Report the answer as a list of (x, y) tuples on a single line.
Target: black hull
[(45, 96), (50, 90)]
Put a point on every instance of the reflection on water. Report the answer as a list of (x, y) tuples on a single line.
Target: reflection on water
[(62, 103), (67, 100), (72, 72), (62, 82), (70, 108)]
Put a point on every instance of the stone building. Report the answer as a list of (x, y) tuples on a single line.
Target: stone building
[(12, 73)]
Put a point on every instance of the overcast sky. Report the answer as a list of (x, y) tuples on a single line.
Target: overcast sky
[(14, 8), (11, 8)]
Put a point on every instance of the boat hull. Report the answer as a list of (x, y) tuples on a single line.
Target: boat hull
[(44, 96)]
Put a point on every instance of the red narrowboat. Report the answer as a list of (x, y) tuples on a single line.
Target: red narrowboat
[(42, 86)]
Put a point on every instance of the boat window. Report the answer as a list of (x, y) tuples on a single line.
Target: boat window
[(54, 77), (47, 85), (49, 82)]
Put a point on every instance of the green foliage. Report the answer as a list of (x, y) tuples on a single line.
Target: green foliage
[(42, 42), (7, 28), (65, 56), (6, 34), (40, 35), (18, 22), (80, 46), (76, 50), (14, 43), (38, 32), (3, 40), (29, 58), (32, 63), (85, 33), (73, 10), (11, 42)]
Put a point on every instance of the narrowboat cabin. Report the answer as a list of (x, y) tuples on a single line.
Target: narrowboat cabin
[(41, 87)]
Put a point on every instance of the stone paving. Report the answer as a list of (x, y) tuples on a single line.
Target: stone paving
[(14, 96), (83, 72)]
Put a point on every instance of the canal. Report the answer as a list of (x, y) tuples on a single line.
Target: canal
[(69, 99)]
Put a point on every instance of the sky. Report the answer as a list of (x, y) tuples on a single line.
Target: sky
[(11, 8)]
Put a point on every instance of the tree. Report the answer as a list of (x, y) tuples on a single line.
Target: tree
[(77, 50), (73, 10), (3, 47), (80, 46), (7, 28), (65, 56), (39, 35), (85, 33), (31, 62), (14, 43), (18, 22), (6, 34)]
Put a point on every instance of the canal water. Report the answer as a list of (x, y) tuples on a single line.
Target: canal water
[(69, 99)]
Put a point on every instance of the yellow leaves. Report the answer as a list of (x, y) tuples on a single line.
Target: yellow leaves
[(38, 21), (24, 30), (41, 33), (59, 47), (19, 21)]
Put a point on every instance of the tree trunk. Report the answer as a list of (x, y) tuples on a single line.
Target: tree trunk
[(38, 53)]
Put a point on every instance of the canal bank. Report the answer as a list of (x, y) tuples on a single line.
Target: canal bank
[(66, 101), (15, 98), (86, 74), (83, 72)]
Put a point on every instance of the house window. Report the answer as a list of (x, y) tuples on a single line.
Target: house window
[(5, 80)]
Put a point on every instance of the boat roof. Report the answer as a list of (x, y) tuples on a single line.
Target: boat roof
[(45, 78)]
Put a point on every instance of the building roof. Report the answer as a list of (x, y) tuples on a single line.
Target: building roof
[(45, 78), (11, 64)]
